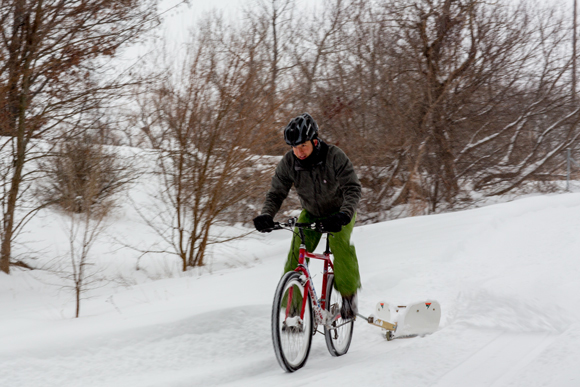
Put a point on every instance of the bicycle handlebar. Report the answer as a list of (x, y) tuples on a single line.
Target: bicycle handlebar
[(292, 222)]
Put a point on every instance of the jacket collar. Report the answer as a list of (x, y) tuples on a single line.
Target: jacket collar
[(318, 157)]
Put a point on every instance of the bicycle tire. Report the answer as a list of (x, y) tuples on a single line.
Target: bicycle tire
[(291, 343), (337, 340)]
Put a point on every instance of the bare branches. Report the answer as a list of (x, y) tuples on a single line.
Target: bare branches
[(51, 60), (431, 99), (460, 88), (209, 121)]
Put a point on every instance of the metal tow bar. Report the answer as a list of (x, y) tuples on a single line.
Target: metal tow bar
[(381, 324)]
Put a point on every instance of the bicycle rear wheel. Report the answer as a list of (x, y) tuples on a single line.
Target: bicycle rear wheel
[(338, 334), (291, 335)]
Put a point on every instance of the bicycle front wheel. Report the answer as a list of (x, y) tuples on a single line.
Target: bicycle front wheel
[(291, 334), (338, 334)]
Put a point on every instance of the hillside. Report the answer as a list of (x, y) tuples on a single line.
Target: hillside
[(506, 276)]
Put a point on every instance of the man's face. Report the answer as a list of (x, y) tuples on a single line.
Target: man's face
[(302, 151)]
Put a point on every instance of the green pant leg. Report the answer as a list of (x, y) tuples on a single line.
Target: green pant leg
[(346, 272), (311, 238)]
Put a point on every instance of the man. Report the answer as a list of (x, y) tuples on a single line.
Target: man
[(329, 192)]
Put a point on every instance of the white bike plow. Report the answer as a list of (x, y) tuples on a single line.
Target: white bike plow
[(417, 319)]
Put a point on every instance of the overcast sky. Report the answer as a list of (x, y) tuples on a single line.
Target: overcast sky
[(178, 18), (178, 21)]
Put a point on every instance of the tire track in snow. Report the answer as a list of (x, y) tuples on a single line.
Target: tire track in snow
[(499, 361)]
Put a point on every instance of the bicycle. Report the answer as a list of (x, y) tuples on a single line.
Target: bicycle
[(297, 311)]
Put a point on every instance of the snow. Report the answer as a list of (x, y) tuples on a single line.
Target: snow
[(506, 276)]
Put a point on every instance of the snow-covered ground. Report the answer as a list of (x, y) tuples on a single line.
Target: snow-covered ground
[(506, 275)]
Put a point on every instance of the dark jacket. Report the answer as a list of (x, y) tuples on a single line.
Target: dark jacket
[(325, 184)]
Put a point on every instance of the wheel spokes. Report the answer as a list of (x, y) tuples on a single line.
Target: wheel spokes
[(341, 331), (294, 330)]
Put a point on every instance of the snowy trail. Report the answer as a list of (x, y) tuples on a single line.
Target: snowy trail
[(506, 277), (499, 361)]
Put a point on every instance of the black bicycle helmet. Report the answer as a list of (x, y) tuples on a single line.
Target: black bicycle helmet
[(300, 129)]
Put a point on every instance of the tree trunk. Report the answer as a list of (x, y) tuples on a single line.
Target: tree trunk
[(78, 299), (5, 250), (19, 160)]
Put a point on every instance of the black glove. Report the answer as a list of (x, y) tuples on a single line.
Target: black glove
[(334, 222), (264, 223)]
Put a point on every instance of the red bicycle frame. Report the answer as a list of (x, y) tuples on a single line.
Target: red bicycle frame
[(318, 304)]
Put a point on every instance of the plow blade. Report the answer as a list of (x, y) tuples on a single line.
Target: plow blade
[(415, 319)]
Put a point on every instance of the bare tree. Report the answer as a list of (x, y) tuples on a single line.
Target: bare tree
[(83, 229), (82, 172), (275, 24), (82, 177), (52, 65), (574, 39), (319, 35), (209, 120), (435, 98)]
